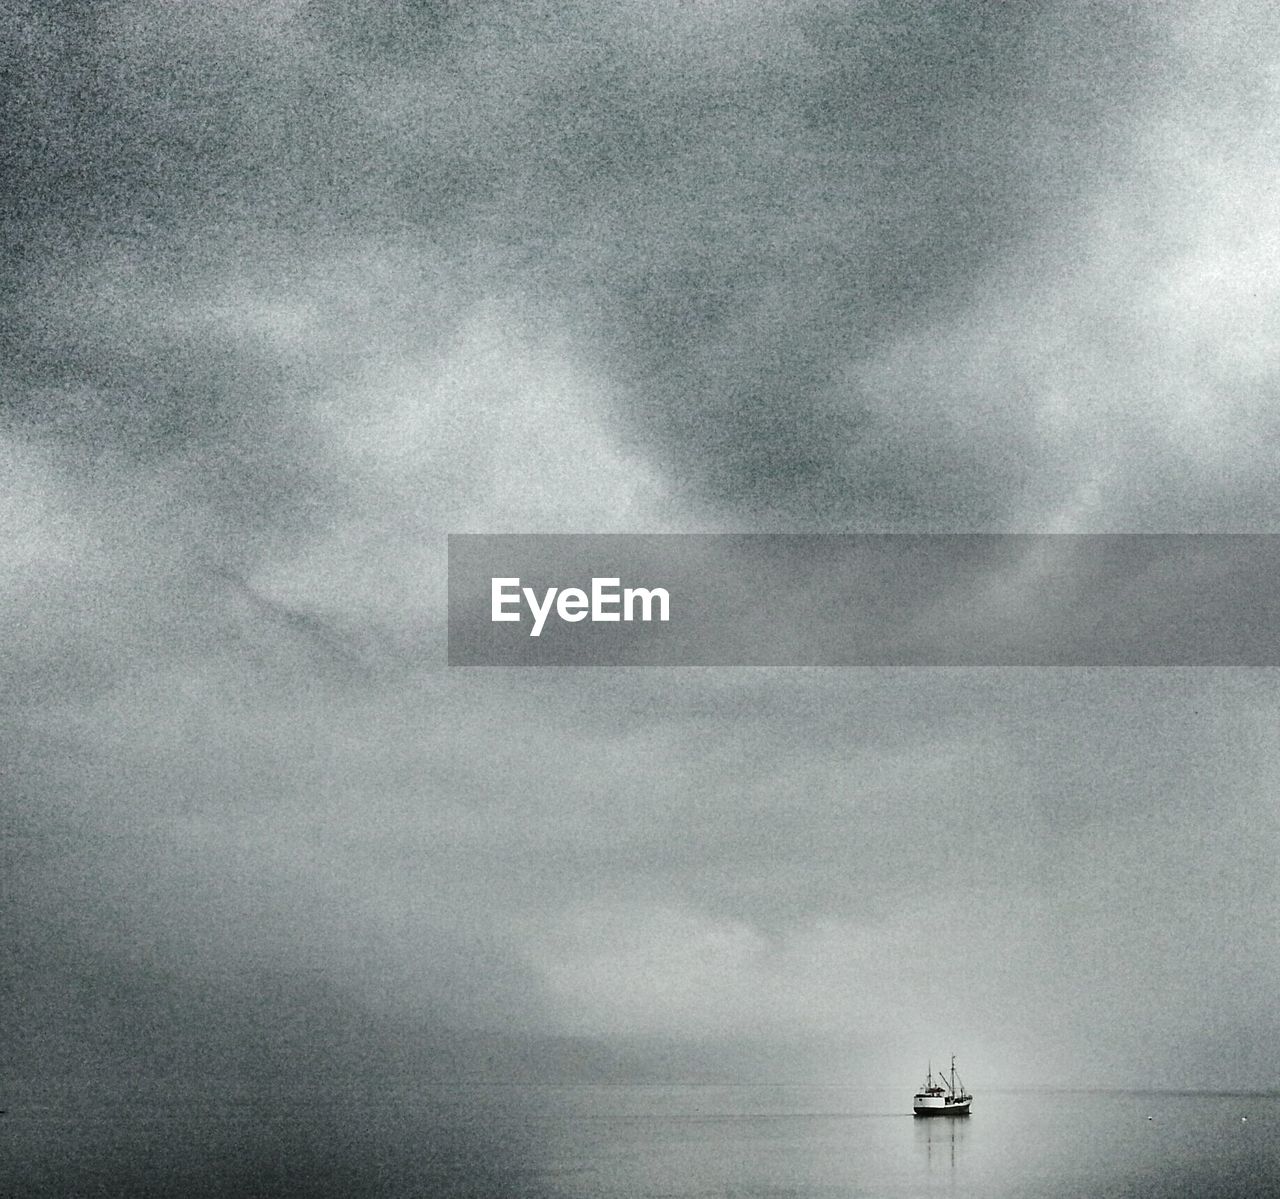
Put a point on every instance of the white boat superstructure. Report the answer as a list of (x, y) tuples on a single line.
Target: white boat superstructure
[(946, 1097)]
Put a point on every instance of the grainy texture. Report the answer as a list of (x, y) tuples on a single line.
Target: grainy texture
[(293, 289)]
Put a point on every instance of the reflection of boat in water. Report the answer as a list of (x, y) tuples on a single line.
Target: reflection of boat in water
[(946, 1097), (941, 1142)]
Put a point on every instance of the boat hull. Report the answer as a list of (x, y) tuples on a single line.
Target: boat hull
[(936, 1107)]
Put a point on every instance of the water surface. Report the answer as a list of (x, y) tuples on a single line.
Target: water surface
[(673, 1142)]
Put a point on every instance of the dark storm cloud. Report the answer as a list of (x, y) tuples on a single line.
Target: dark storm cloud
[(741, 214), (852, 184)]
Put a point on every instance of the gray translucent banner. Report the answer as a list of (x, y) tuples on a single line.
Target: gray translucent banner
[(865, 600)]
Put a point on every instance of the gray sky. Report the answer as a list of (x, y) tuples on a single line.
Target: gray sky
[(296, 289)]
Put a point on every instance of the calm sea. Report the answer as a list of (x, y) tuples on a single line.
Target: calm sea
[(674, 1142)]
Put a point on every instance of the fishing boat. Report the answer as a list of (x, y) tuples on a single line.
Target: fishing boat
[(946, 1097)]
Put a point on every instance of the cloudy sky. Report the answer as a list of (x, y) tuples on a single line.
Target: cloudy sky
[(296, 289)]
